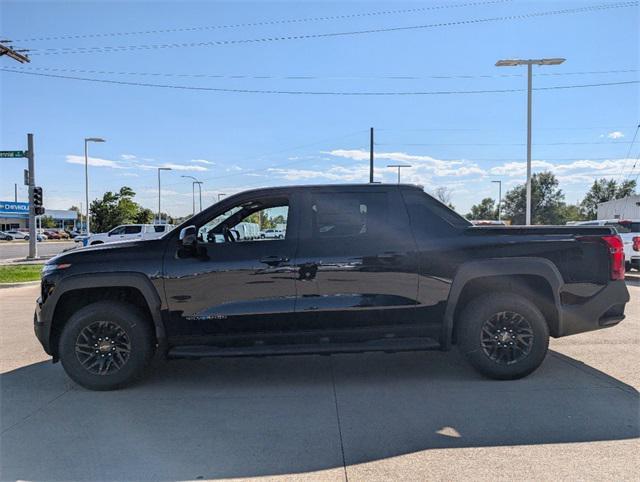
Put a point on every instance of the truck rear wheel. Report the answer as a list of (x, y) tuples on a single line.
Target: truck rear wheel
[(503, 335), (106, 345)]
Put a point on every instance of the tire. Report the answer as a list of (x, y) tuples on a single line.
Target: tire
[(130, 345), (485, 340)]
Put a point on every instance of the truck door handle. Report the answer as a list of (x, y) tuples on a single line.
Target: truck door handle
[(274, 260)]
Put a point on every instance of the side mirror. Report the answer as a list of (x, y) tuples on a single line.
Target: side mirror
[(188, 236)]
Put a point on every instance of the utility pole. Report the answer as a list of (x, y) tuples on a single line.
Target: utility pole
[(529, 63), (371, 155), (15, 192), (10, 52), (33, 246), (499, 197)]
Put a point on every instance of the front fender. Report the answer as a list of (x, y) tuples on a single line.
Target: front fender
[(102, 280)]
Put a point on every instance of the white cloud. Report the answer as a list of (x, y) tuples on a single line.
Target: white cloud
[(130, 174), (615, 135), (94, 161), (203, 161), (128, 157)]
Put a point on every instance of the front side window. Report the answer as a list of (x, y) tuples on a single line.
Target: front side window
[(262, 220), (132, 229), (348, 214), (117, 231)]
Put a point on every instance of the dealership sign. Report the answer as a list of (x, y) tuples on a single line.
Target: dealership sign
[(10, 209)]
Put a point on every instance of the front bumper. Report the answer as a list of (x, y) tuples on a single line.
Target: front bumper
[(41, 327), (601, 310)]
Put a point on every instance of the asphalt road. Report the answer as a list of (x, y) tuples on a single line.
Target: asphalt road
[(417, 416), (20, 249)]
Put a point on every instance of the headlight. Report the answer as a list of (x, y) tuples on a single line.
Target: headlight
[(50, 268)]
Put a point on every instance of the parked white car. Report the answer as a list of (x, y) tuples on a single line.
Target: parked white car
[(128, 232), (628, 230), (272, 234)]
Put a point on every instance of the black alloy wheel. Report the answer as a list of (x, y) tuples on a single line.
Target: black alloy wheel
[(103, 347), (507, 337)]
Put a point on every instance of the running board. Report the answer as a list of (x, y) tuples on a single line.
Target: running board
[(385, 345)]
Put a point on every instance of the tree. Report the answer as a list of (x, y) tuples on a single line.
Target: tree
[(547, 201), (603, 190), (485, 210), (572, 212), (443, 194), (117, 208)]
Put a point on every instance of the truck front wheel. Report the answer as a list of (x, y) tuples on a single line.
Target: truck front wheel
[(503, 335), (106, 345)]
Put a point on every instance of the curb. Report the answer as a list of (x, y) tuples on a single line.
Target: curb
[(18, 285)]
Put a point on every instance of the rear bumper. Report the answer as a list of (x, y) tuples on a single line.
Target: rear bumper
[(604, 309)]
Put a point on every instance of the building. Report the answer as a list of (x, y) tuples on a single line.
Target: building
[(15, 215), (625, 208)]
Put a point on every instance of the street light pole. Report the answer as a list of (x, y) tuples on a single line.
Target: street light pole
[(399, 166), (499, 197), (199, 183), (86, 177), (159, 211), (193, 192), (529, 63)]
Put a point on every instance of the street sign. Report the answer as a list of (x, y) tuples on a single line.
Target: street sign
[(26, 177), (13, 154)]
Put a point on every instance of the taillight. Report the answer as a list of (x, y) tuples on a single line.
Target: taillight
[(616, 256), (636, 243)]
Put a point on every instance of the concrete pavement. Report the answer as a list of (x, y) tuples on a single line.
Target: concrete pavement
[(410, 416)]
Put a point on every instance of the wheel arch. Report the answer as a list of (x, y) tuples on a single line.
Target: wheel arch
[(537, 278), (81, 290)]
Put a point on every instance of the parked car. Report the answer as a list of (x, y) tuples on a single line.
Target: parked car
[(52, 234), (628, 230), (345, 278), (73, 234), (5, 236), (15, 234), (126, 232), (272, 234)]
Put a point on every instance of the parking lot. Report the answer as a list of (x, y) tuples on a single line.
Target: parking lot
[(419, 416)]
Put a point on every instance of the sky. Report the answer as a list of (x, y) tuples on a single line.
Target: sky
[(253, 131)]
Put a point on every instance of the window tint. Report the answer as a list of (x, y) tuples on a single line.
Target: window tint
[(159, 228), (264, 220), (132, 229), (348, 214), (118, 230), (430, 218)]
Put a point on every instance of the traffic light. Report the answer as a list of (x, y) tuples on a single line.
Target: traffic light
[(37, 201)]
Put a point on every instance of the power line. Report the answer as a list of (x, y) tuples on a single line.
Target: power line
[(266, 22), (320, 93), (504, 144), (104, 49), (629, 153), (315, 77)]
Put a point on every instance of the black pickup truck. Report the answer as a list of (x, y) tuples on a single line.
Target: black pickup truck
[(355, 268)]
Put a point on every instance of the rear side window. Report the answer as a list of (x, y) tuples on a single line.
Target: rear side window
[(159, 228), (429, 217), (132, 229), (336, 215)]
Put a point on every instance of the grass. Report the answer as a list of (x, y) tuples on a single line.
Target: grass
[(19, 273)]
